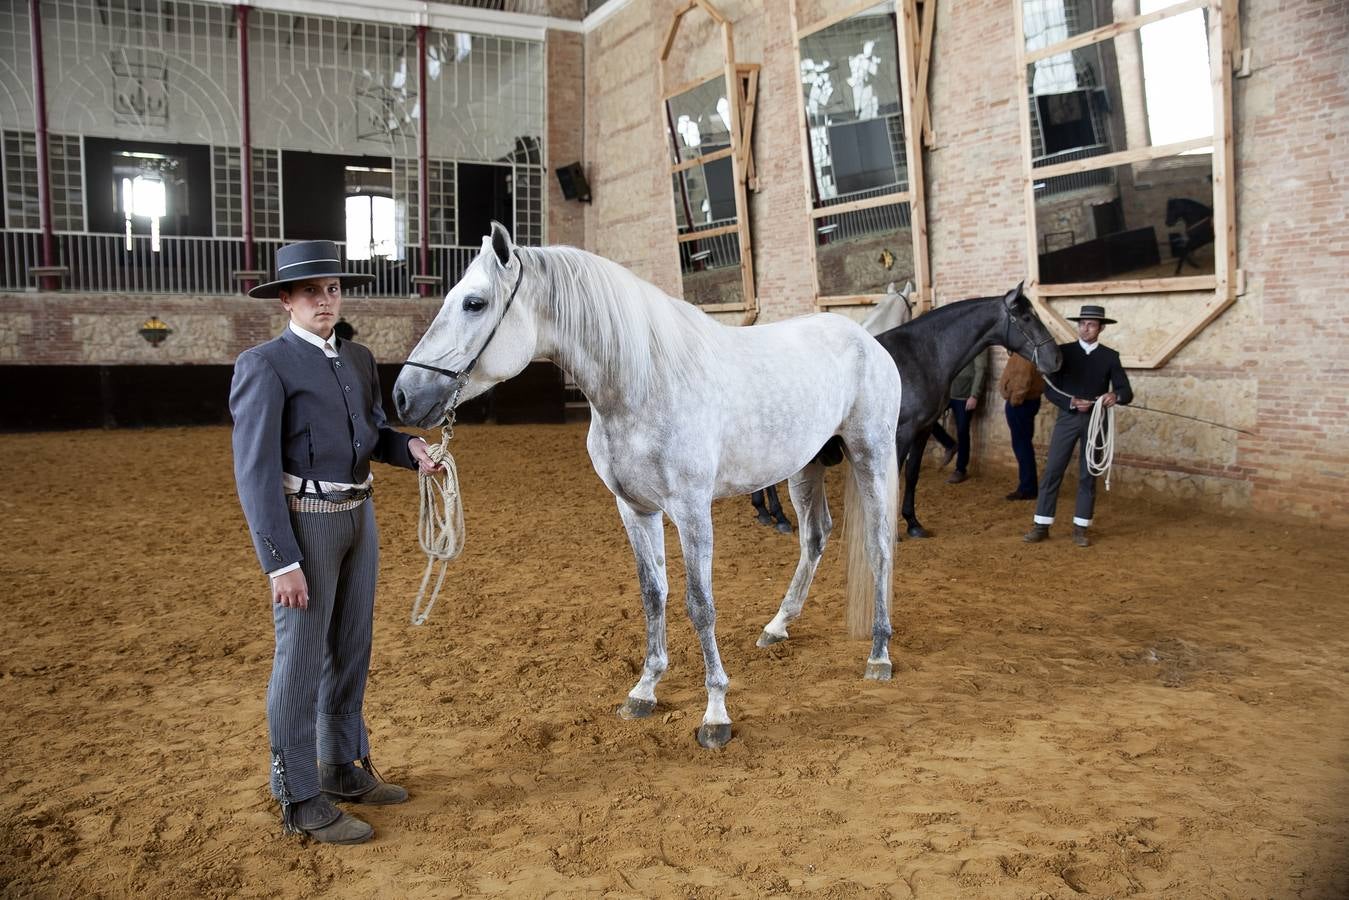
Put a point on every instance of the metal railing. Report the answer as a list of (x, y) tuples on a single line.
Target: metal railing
[(1061, 184), (101, 263), (862, 223)]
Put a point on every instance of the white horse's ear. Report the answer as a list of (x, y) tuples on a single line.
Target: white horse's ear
[(502, 245), (908, 289)]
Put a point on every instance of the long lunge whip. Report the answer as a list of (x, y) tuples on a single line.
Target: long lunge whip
[(440, 522)]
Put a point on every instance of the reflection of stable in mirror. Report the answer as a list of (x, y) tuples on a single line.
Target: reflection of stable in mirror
[(1147, 87), (698, 124), (857, 158), (1127, 149)]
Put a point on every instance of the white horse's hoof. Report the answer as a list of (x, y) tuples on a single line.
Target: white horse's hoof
[(714, 737), (633, 708), (878, 671), (768, 639)]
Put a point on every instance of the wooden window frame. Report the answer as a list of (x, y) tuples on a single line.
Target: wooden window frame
[(1226, 282), (913, 35), (742, 84)]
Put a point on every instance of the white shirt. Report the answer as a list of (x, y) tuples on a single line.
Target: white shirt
[(1086, 348)]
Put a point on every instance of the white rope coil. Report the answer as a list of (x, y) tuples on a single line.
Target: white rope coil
[(1101, 440), (440, 523)]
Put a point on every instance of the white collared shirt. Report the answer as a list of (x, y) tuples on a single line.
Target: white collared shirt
[(1086, 348)]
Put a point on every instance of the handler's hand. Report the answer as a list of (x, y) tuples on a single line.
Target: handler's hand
[(291, 590), (1109, 400), (1082, 405), (971, 403), (418, 448)]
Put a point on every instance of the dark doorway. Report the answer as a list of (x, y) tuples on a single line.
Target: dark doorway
[(484, 196), (184, 170), (314, 193)]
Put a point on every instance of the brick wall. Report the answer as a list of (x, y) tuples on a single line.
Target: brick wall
[(1276, 363)]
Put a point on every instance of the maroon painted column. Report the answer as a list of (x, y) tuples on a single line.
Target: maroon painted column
[(245, 143), (423, 166), (44, 195)]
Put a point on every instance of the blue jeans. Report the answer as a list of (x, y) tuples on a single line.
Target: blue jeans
[(1021, 423)]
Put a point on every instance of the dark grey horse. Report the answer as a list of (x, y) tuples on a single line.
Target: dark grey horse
[(1198, 220), (931, 349)]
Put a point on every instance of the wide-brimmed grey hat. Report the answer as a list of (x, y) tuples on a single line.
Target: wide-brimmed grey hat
[(1092, 312), (305, 260)]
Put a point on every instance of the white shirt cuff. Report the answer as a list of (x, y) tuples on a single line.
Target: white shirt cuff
[(283, 570)]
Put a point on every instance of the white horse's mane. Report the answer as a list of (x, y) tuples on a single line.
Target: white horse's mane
[(630, 327)]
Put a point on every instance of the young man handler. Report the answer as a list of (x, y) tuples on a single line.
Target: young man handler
[(307, 421)]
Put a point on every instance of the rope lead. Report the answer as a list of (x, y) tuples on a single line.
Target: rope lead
[(440, 524)]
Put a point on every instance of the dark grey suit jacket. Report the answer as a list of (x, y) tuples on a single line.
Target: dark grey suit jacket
[(299, 412)]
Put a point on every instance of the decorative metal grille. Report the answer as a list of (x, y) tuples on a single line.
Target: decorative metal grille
[(142, 70), (65, 172), (21, 199), (16, 66), (228, 191), (528, 205), (266, 193)]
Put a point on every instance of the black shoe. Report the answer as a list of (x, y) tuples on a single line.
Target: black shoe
[(325, 823), (1018, 495), (1080, 536), (1037, 534), (350, 783), (956, 477)]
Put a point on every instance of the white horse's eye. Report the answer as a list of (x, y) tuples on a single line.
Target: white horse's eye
[(474, 304)]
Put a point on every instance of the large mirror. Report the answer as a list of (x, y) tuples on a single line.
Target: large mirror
[(1127, 139), (708, 124), (1149, 87), (859, 155)]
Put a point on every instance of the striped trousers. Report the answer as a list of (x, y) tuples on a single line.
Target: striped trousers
[(322, 656)]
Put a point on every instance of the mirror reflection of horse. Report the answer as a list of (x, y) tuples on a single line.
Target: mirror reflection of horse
[(683, 410), (933, 348), (893, 309), (1198, 220)]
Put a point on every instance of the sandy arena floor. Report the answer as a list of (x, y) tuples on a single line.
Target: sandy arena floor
[(1163, 715)]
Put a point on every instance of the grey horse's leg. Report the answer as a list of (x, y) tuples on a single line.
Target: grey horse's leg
[(695, 537), (647, 536), (814, 525), (873, 473)]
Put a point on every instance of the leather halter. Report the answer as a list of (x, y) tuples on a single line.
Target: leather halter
[(1035, 345), (460, 378)]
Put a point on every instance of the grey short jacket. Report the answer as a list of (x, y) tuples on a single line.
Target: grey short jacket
[(297, 411)]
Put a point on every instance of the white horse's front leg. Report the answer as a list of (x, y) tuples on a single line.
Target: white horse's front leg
[(647, 536), (813, 527), (695, 536)]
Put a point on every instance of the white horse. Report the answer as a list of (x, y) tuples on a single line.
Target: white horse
[(683, 410), (891, 311)]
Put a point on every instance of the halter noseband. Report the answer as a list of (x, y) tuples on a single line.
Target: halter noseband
[(460, 378)]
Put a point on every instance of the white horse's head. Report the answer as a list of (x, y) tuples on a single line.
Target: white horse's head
[(482, 335)]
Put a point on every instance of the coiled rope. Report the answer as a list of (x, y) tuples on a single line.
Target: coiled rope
[(440, 523)]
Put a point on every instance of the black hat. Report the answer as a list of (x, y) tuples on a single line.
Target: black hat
[(306, 260), (1092, 312)]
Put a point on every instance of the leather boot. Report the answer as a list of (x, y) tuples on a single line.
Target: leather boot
[(1037, 534), (358, 784), (1080, 536), (325, 823)]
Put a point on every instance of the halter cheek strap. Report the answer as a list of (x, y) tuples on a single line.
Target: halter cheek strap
[(1035, 345), (461, 376)]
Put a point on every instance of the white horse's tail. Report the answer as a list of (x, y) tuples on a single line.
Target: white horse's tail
[(861, 580)]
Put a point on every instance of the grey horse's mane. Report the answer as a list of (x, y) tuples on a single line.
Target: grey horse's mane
[(633, 330)]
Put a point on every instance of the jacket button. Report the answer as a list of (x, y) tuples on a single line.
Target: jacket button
[(358, 445), (338, 363), (353, 417), (347, 388)]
